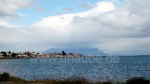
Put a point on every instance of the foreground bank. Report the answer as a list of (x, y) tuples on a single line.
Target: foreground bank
[(5, 78)]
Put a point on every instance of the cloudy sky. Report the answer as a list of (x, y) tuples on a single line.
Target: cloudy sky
[(113, 26)]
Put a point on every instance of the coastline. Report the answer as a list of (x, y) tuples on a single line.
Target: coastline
[(13, 58), (41, 57), (70, 57)]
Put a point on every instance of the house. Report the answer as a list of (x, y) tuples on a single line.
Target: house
[(22, 55), (1, 55)]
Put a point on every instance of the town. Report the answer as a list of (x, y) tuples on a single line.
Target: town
[(15, 55)]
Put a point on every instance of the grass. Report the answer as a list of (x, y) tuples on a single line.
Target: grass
[(5, 78)]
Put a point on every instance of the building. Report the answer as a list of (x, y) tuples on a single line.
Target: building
[(1, 55), (22, 55)]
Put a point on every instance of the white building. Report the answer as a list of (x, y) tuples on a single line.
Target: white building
[(22, 55), (1, 55)]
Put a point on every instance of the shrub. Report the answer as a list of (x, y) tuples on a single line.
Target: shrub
[(137, 80), (5, 74), (6, 77), (107, 83)]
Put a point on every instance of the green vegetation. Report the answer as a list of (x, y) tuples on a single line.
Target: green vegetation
[(5, 78), (138, 80)]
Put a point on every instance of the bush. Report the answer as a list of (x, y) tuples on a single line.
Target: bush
[(138, 80), (6, 77), (107, 83), (5, 74)]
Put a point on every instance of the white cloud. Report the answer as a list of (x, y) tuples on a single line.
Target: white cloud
[(8, 7), (105, 26), (10, 34), (115, 29)]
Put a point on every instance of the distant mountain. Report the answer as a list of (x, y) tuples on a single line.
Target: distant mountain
[(83, 51)]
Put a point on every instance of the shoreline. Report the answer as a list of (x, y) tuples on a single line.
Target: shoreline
[(41, 57), (13, 58), (74, 57)]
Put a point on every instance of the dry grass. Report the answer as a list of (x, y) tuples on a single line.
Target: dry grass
[(5, 78)]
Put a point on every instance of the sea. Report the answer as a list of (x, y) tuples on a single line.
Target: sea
[(91, 68)]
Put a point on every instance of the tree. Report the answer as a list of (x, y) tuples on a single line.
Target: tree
[(63, 53), (4, 54), (71, 53), (9, 52), (28, 53), (14, 55)]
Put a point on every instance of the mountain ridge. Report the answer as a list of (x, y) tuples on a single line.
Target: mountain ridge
[(83, 51)]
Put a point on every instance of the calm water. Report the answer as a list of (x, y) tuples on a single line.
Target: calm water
[(101, 68)]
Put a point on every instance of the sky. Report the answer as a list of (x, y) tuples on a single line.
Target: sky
[(113, 26)]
